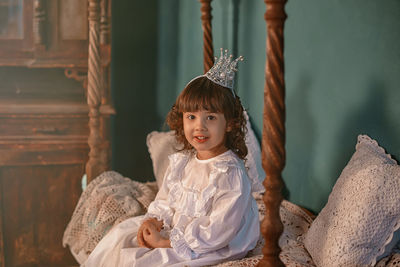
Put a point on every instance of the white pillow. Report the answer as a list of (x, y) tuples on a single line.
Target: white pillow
[(363, 211), (253, 158), (162, 144)]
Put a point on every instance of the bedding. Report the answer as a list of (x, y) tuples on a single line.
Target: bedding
[(296, 223), (111, 198), (108, 200), (362, 215)]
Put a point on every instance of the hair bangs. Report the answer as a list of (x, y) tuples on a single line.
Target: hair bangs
[(193, 101), (206, 98)]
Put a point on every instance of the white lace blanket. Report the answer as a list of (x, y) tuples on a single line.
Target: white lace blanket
[(111, 198), (108, 200)]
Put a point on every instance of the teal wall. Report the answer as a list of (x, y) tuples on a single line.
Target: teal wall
[(342, 70)]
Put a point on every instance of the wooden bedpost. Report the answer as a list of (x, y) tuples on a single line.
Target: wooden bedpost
[(273, 138), (208, 51), (95, 164)]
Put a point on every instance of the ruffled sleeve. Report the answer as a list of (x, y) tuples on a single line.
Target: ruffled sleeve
[(161, 208), (220, 226)]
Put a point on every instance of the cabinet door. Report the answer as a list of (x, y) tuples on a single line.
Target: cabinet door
[(16, 35), (37, 201), (42, 33), (66, 37)]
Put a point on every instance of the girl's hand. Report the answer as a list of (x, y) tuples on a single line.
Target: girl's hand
[(151, 223), (154, 239)]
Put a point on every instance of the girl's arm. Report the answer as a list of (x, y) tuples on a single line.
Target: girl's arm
[(159, 208), (209, 233), (158, 214)]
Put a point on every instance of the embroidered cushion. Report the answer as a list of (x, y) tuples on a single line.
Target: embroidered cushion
[(362, 213), (162, 144)]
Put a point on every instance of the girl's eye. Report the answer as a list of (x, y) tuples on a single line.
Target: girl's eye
[(210, 117), (190, 117)]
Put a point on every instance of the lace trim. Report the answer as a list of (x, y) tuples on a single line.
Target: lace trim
[(375, 147), (389, 239), (178, 243)]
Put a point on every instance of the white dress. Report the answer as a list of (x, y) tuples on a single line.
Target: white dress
[(209, 216)]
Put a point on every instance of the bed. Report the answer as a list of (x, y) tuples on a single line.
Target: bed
[(293, 236)]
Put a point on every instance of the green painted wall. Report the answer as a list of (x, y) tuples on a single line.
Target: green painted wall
[(342, 71)]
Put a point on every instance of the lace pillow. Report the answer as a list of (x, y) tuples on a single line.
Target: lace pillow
[(362, 213), (162, 144)]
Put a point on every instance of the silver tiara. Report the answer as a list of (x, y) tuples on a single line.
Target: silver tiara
[(223, 71)]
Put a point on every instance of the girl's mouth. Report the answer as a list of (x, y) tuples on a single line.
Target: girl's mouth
[(201, 139)]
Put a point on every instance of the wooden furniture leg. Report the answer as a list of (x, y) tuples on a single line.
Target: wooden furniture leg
[(95, 164)]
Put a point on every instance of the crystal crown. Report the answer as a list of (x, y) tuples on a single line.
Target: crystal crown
[(223, 71)]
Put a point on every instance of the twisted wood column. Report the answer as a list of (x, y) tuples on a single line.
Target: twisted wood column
[(95, 165), (105, 26), (39, 20), (208, 51), (273, 143), (105, 49)]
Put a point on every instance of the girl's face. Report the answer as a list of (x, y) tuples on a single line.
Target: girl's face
[(205, 131)]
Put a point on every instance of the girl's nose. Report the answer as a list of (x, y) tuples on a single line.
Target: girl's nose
[(200, 125)]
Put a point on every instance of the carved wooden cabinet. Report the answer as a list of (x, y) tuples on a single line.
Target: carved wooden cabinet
[(44, 120), (43, 33)]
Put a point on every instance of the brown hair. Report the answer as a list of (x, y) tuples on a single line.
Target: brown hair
[(203, 94)]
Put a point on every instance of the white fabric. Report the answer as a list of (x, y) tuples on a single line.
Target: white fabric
[(160, 146), (295, 223), (163, 144), (362, 213), (206, 224), (253, 158), (108, 200)]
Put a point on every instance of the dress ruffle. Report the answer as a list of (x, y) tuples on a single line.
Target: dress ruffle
[(201, 201)]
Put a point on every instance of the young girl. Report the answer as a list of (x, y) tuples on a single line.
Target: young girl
[(204, 212)]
